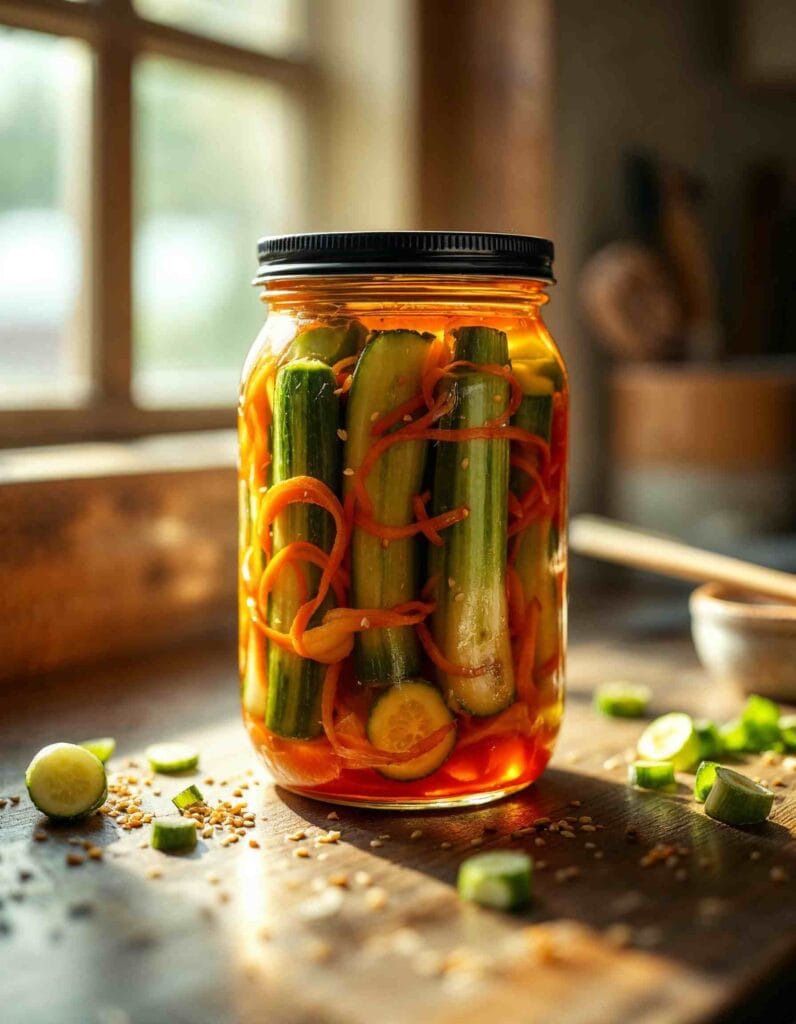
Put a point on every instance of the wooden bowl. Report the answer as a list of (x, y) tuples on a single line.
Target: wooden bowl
[(747, 640)]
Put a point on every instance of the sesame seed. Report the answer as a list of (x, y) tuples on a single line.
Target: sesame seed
[(540, 822), (340, 880), (40, 837), (254, 844), (348, 471), (154, 872), (302, 851), (362, 878), (418, 832), (296, 836), (445, 846), (376, 898), (590, 846), (588, 828), (364, 622), (374, 416), (538, 841), (598, 855), (74, 860), (778, 875), (342, 434), (754, 855), (575, 803), (332, 816), (451, 582), (465, 463), (376, 843), (567, 834), (330, 837)]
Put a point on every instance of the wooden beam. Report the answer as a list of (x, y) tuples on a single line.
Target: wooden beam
[(486, 79), (128, 548)]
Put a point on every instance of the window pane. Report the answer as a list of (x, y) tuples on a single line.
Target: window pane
[(215, 169), (44, 145), (270, 26)]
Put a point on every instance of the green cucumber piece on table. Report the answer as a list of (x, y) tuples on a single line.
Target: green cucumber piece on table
[(187, 797), (402, 715), (305, 443), (537, 547), (388, 373), (470, 621), (103, 747), (167, 758), (173, 834), (622, 700), (787, 728), (672, 738), (736, 799), (704, 779), (501, 879), (329, 343), (760, 719), (66, 781), (651, 774), (710, 743)]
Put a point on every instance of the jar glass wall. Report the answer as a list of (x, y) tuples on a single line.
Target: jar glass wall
[(403, 450)]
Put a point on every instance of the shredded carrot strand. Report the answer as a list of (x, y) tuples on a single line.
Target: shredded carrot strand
[(397, 415), (425, 525)]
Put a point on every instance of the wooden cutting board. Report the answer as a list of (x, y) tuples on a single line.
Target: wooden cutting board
[(245, 934)]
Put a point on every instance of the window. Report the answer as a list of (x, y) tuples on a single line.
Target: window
[(144, 146)]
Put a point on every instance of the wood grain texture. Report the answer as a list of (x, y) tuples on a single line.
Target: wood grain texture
[(104, 939), (123, 550)]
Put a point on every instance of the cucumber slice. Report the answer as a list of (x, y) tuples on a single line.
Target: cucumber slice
[(403, 715), (501, 879), (672, 738), (329, 343), (470, 621), (704, 779), (104, 748), (737, 800), (651, 774), (787, 729), (622, 700), (387, 375), (187, 798), (709, 737), (173, 833), (760, 719), (172, 757), (733, 736), (66, 781)]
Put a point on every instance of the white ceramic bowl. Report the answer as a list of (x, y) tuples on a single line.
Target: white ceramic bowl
[(746, 640)]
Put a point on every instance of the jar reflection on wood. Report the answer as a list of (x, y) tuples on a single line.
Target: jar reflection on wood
[(403, 458)]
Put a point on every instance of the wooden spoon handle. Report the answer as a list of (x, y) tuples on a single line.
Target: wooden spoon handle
[(627, 545)]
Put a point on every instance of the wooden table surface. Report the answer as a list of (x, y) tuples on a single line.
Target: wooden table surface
[(244, 934)]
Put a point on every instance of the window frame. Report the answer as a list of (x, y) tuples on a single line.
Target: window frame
[(117, 36)]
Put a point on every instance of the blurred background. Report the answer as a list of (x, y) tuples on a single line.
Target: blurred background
[(146, 144)]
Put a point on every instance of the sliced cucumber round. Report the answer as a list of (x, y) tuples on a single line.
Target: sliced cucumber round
[(500, 879), (403, 715), (651, 774), (622, 700), (704, 779), (66, 781), (709, 737), (104, 747), (738, 800), (174, 833), (172, 757), (672, 738)]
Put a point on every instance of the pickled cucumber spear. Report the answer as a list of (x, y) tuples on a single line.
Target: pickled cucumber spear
[(470, 622)]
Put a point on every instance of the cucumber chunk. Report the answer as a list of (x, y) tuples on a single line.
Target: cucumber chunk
[(387, 375), (622, 700), (173, 833), (172, 757), (187, 798), (787, 728), (470, 621), (501, 879), (737, 800), (403, 715), (651, 774), (305, 443), (709, 737), (704, 779), (672, 738), (66, 781), (104, 747), (330, 343)]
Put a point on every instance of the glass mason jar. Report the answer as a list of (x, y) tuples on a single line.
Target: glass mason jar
[(403, 475)]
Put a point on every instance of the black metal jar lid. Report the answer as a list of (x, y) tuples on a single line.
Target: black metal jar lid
[(405, 252)]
